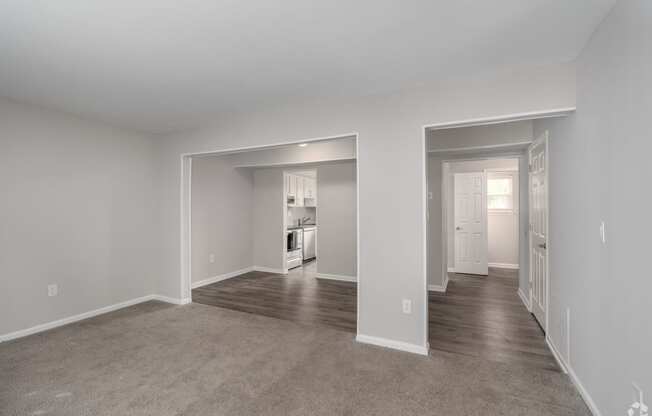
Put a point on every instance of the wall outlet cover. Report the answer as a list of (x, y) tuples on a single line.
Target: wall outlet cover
[(407, 306), (53, 290)]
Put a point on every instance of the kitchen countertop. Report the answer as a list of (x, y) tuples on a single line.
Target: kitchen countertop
[(296, 227)]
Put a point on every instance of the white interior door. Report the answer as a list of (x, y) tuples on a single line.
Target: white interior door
[(471, 245), (538, 190)]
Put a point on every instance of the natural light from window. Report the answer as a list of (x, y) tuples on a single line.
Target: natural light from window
[(499, 193)]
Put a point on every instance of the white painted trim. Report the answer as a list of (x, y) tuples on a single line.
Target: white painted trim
[(507, 118), (339, 277), (504, 265), (357, 226), (593, 407), (268, 270), (516, 145), (85, 315), (524, 299), (440, 288), (174, 301), (397, 345), (221, 277), (273, 145), (437, 288), (451, 270), (590, 403), (425, 229), (288, 164), (556, 354), (555, 112)]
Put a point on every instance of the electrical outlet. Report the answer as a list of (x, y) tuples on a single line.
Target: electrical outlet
[(53, 290), (211, 258), (407, 306)]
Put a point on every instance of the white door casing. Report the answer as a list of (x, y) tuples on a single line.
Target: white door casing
[(470, 213), (538, 241)]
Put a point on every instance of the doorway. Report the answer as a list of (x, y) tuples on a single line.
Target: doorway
[(481, 288), (238, 220)]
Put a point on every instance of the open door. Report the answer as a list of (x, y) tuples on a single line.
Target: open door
[(538, 242), (471, 245)]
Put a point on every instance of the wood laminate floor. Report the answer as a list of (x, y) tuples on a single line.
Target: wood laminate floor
[(484, 317), (478, 316), (299, 296)]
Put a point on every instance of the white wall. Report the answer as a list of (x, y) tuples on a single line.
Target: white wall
[(268, 219), (390, 134), (598, 171), (78, 209), (222, 217), (337, 226), (322, 151), (493, 134)]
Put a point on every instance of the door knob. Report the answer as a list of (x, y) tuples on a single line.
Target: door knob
[(458, 228), (543, 246)]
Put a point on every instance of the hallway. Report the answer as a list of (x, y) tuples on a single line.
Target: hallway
[(484, 317)]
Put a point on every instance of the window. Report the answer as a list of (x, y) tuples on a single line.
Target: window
[(499, 193)]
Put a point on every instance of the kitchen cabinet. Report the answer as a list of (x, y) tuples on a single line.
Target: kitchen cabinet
[(300, 195), (300, 191), (310, 192)]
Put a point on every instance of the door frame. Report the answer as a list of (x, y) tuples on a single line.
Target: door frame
[(445, 193), (478, 121), (545, 139), (185, 200)]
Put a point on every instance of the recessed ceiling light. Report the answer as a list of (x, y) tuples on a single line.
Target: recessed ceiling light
[(303, 144)]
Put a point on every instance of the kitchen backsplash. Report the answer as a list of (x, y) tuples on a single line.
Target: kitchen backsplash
[(296, 213)]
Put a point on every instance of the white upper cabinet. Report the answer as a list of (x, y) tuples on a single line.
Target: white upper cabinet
[(300, 191), (310, 192), (290, 185), (300, 195)]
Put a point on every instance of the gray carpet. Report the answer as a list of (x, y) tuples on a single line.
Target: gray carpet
[(159, 359)]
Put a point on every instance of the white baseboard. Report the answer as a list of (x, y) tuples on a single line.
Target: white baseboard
[(451, 270), (397, 345), (439, 288), (221, 277), (268, 270), (339, 277), (504, 265), (556, 354), (174, 301), (71, 319), (524, 298), (590, 403)]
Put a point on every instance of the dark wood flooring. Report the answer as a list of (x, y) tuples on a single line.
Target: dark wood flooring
[(484, 317), (478, 316), (299, 297)]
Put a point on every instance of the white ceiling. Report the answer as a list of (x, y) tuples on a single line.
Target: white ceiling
[(159, 65)]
